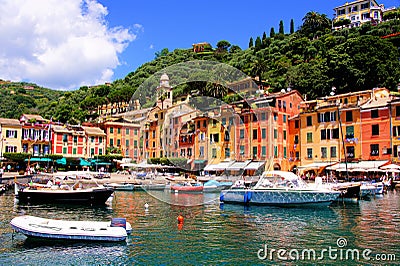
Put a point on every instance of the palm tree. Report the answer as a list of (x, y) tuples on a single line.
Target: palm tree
[(314, 22), (258, 67)]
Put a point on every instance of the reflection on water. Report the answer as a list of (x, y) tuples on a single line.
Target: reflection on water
[(211, 233)]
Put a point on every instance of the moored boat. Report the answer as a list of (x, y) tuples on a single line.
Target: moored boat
[(187, 188), (75, 194), (146, 187), (115, 230), (215, 186), (121, 186), (279, 188)]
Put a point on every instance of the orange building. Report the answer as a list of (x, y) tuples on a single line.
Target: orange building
[(125, 136), (375, 127)]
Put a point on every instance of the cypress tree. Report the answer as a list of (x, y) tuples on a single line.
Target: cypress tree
[(251, 42), (264, 40), (272, 33), (258, 43), (291, 26), (281, 28)]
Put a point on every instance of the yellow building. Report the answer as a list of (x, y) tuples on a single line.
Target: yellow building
[(215, 141), (95, 141), (359, 12), (10, 134), (395, 133), (331, 130)]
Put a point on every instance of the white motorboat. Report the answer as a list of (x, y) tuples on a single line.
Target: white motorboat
[(279, 188), (115, 230)]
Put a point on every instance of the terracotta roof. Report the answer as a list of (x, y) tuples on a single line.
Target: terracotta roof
[(9, 122), (94, 131), (29, 117), (60, 129), (376, 103)]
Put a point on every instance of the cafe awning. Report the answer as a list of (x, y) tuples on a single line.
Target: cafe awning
[(237, 166), (313, 166), (61, 161), (38, 159), (367, 165), (254, 165), (217, 167)]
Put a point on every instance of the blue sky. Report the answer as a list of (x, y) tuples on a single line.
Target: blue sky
[(179, 24), (68, 44)]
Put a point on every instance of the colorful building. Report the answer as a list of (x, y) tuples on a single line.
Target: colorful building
[(35, 135), (95, 141), (375, 127), (10, 135), (360, 12), (124, 136), (330, 129), (69, 141)]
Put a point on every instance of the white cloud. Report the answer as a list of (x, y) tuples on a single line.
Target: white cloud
[(59, 44)]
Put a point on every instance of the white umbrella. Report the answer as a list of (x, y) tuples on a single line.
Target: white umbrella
[(357, 170), (393, 170), (391, 166), (375, 170)]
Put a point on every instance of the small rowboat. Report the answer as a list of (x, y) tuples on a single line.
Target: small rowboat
[(31, 226), (187, 188)]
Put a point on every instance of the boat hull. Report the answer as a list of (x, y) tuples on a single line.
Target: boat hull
[(86, 196), (146, 187), (187, 189), (36, 227), (121, 187), (278, 197)]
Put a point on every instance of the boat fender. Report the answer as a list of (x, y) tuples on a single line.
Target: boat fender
[(180, 219), (247, 196), (221, 197), (118, 222)]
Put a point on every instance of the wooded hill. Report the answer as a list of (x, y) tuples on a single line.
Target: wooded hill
[(311, 60)]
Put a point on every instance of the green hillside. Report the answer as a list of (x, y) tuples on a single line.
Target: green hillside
[(311, 60)]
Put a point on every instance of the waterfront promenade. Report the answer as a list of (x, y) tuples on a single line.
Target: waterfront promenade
[(9, 177)]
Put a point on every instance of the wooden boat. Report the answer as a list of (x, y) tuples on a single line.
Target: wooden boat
[(115, 230), (75, 194), (187, 188), (121, 186)]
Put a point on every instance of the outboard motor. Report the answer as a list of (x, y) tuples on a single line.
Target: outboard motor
[(118, 222)]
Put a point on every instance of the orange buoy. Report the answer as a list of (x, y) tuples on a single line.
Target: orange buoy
[(180, 219)]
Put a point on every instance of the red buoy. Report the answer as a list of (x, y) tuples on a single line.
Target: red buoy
[(180, 219)]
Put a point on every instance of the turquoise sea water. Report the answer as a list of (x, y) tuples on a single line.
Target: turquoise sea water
[(213, 234)]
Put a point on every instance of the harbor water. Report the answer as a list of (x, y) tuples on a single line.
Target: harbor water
[(367, 232)]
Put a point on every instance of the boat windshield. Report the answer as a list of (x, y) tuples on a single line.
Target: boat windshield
[(280, 179)]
